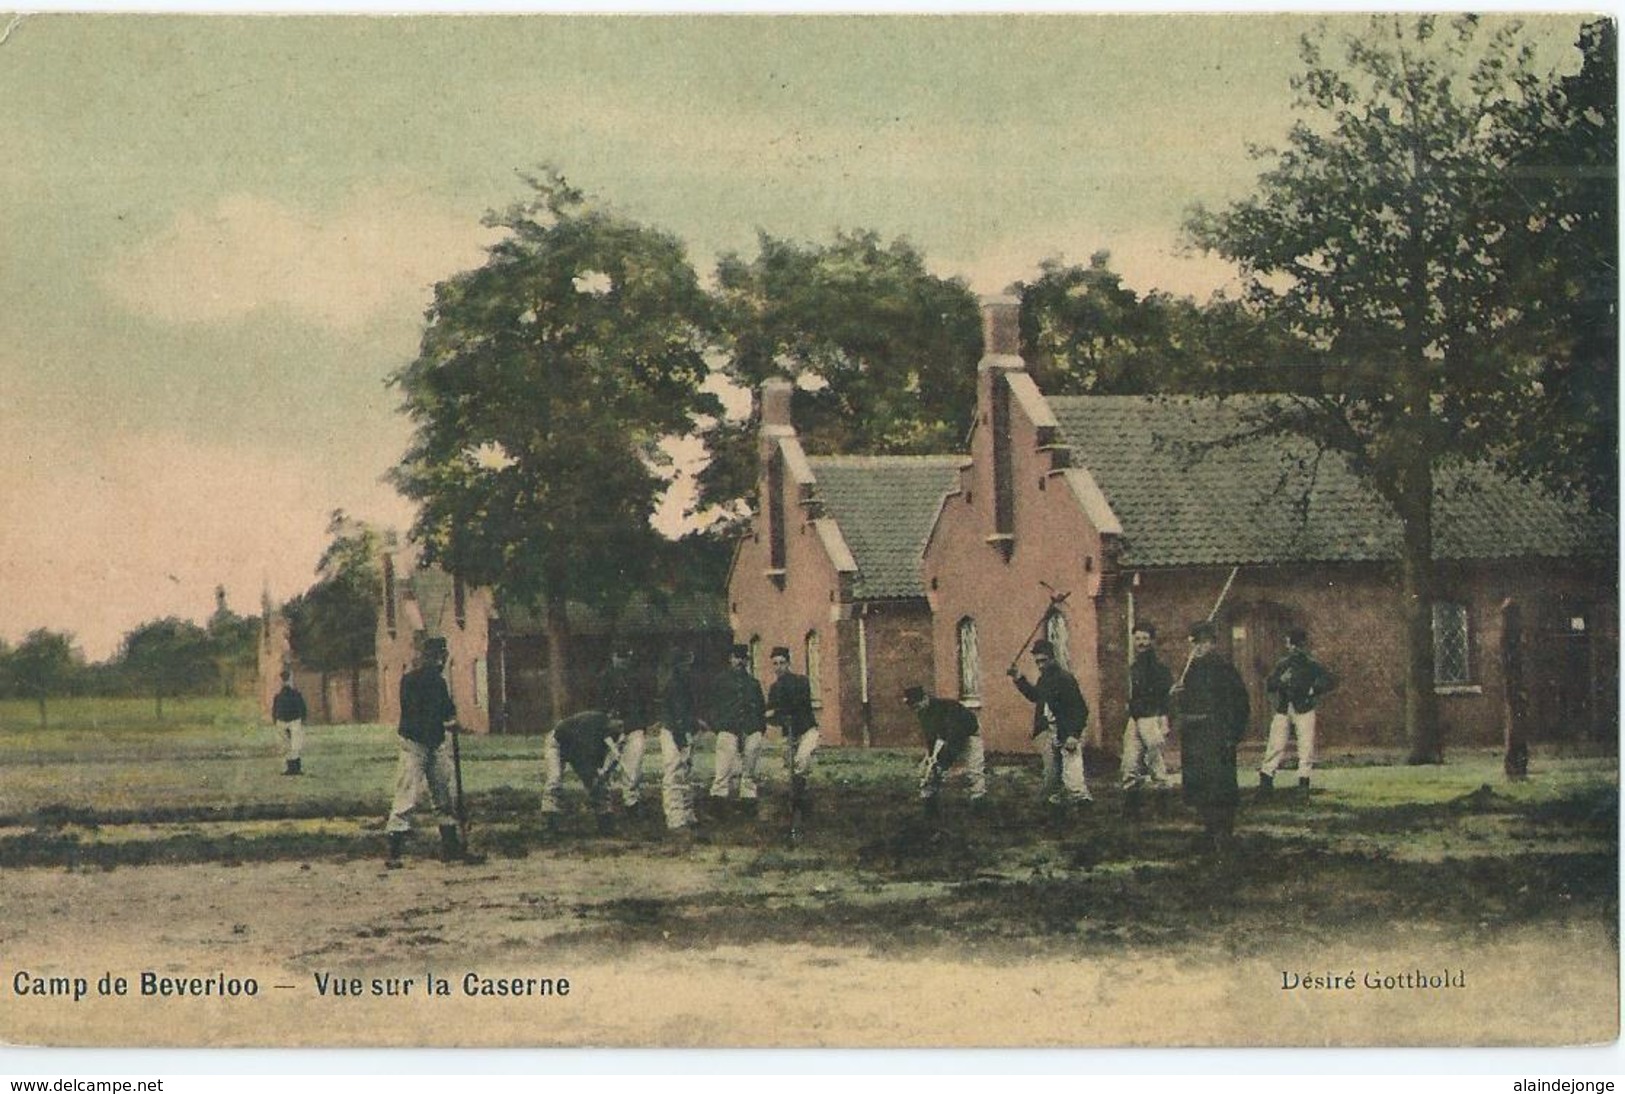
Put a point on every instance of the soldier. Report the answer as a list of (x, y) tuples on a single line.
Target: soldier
[(624, 695), (424, 769), (677, 732), (1149, 682), (1294, 686), (591, 742), (289, 713), (739, 716), (789, 706), (1059, 717), (952, 735), (1213, 709)]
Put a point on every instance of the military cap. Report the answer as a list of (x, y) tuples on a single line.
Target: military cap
[(1044, 646), (1204, 631), (781, 651), (914, 696)]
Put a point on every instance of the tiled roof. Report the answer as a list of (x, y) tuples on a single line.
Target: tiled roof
[(1239, 504), (884, 506)]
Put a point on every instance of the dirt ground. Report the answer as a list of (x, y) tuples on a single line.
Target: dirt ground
[(878, 931)]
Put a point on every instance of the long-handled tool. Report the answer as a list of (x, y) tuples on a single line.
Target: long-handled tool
[(1217, 604), (1055, 601), (460, 804)]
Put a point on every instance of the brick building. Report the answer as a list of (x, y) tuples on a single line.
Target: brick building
[(832, 571), (497, 664), (1124, 506)]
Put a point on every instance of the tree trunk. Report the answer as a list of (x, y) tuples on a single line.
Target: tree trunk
[(327, 701), (42, 721), (1416, 589), (558, 652), (355, 694), (1515, 705), (158, 703)]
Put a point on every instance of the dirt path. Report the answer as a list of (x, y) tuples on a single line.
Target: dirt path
[(282, 923)]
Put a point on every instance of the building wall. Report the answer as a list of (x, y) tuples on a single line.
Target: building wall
[(897, 644), (467, 635), (334, 698), (1005, 587)]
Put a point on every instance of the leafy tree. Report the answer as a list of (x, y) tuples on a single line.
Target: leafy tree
[(1561, 140), (170, 656), (1085, 332), (545, 381), (333, 625), (1377, 237), (883, 352), (43, 664), (235, 640)]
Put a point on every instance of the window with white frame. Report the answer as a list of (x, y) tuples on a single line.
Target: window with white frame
[(1060, 636), (970, 661), (815, 666), (756, 667), (1452, 665)]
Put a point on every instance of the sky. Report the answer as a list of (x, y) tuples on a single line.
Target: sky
[(220, 233)]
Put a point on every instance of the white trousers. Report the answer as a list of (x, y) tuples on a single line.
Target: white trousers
[(974, 765), (800, 761), (736, 765), (422, 777), (293, 737), (1143, 762), (632, 749), (676, 771), (1282, 728), (553, 780), (1063, 769)]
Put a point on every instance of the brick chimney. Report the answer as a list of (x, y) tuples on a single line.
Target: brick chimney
[(774, 399), (1001, 331)]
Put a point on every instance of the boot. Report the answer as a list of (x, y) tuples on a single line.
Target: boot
[(452, 849), (292, 768), (606, 824), (397, 844), (932, 808), (801, 801), (1133, 805), (1266, 782), (1303, 782)]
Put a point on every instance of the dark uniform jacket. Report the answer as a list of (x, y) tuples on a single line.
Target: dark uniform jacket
[(680, 702), (288, 706), (951, 723), (1299, 681), (624, 694), (1057, 697), (1148, 684), (738, 706), (1213, 713), (426, 706), (583, 740), (789, 705)]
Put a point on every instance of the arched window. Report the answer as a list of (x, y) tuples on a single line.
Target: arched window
[(755, 644), (1060, 636), (389, 595), (970, 661), (814, 666)]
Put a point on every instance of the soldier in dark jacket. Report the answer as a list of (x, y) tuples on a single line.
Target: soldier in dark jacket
[(424, 771), (739, 715), (1212, 716), (789, 706), (289, 713), (952, 736), (1059, 717), (590, 743), (677, 731), (625, 695), (1149, 682), (1294, 686)]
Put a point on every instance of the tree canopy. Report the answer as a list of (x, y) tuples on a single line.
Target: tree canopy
[(169, 657), (333, 625), (545, 382), (43, 665), (1380, 238)]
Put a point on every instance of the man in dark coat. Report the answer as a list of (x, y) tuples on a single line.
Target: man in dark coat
[(1059, 717), (789, 706), (952, 736), (289, 713), (591, 743), (1212, 717), (424, 772), (678, 728), (625, 695), (1294, 686), (739, 715)]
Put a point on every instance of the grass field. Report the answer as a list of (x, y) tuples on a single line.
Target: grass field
[(130, 822)]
